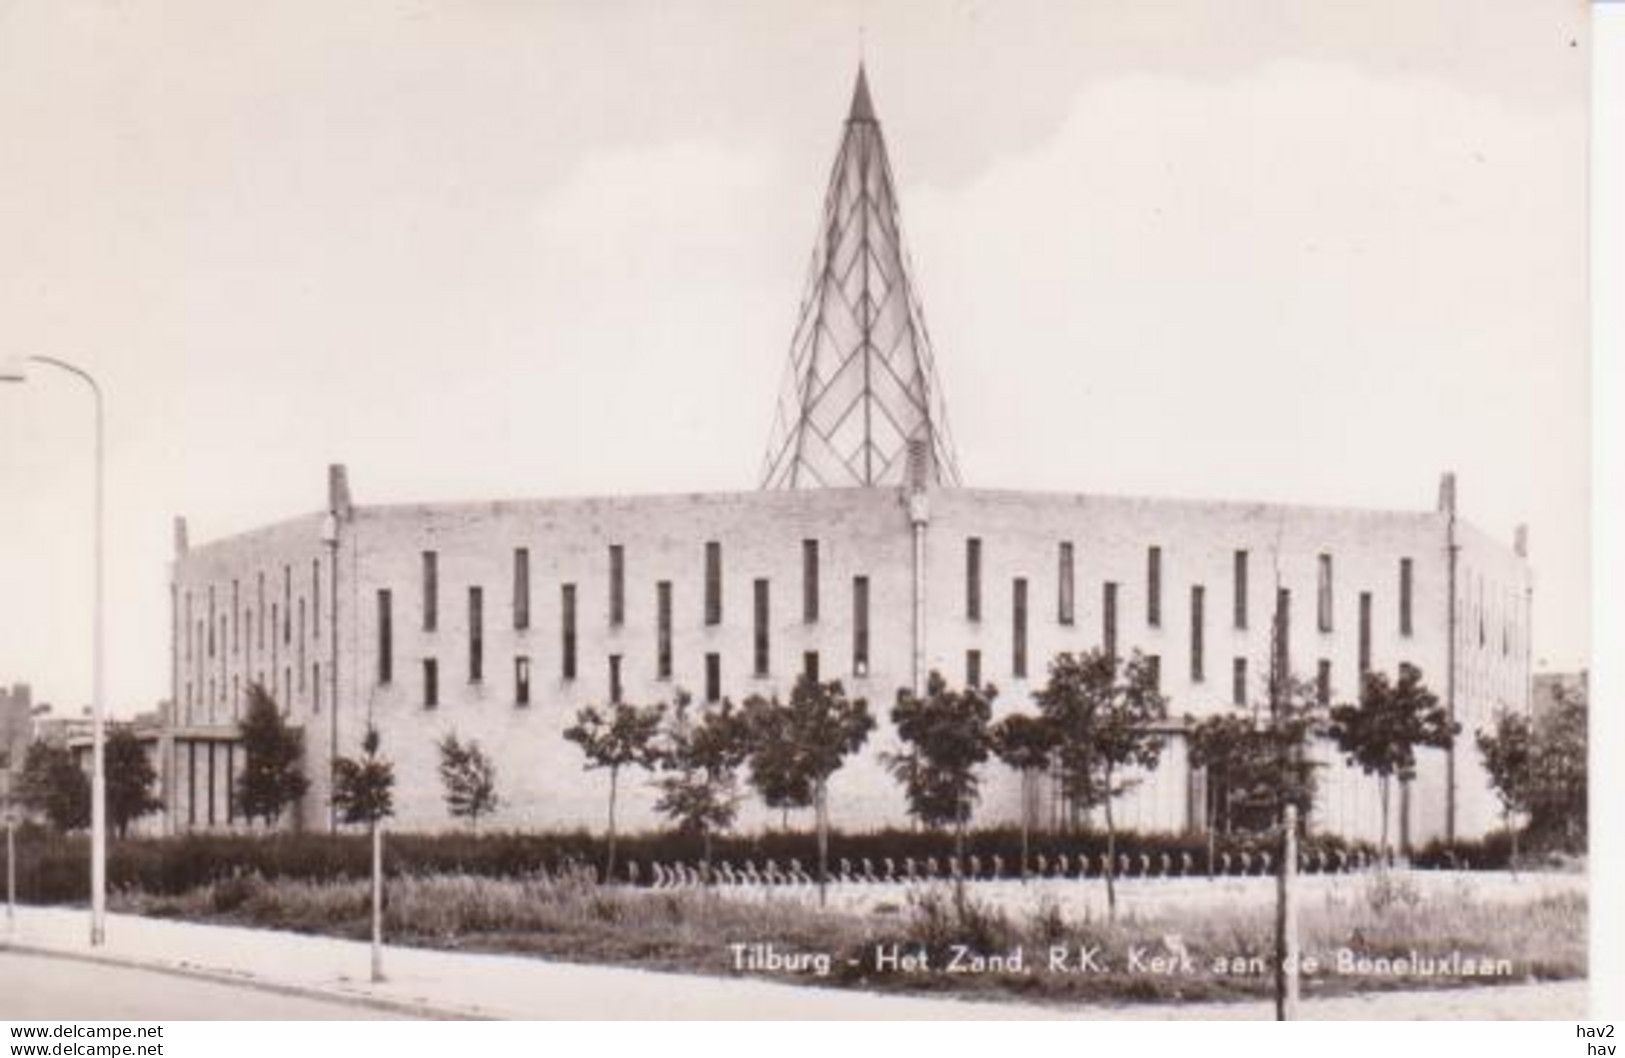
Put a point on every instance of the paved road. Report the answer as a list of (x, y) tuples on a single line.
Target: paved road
[(42, 988)]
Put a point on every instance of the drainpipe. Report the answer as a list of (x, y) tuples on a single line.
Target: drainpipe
[(1447, 507), (919, 516), (168, 746), (339, 510)]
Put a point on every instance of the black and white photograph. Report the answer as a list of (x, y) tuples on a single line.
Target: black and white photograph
[(798, 511)]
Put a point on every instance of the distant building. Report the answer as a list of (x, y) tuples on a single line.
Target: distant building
[(16, 724), (861, 557)]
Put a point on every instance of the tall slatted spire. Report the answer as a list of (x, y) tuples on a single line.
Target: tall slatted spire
[(860, 404)]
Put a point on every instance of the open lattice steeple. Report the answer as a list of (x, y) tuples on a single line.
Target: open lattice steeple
[(860, 404)]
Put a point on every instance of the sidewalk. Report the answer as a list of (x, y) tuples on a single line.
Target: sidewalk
[(436, 984)]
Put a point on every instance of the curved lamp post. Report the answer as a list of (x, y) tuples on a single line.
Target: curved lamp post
[(14, 372)]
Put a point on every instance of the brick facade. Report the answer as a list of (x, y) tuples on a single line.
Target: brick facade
[(860, 533)]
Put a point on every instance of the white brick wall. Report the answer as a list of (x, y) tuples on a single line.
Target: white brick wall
[(862, 532)]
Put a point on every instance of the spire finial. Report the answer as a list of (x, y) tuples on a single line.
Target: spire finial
[(862, 108)]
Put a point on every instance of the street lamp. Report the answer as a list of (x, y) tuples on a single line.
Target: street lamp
[(15, 372)]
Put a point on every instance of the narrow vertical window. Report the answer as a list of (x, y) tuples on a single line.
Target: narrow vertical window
[(1063, 602), (713, 583), (860, 626), (1323, 683), (431, 590), (315, 598), (1153, 666), (1018, 628), (1241, 589), (1323, 595), (663, 630), (211, 621), (210, 754), (431, 683), (1365, 633), (521, 680), (809, 665), (301, 644), (521, 588), (189, 642), (236, 631), (386, 638), (1198, 632), (615, 679), (760, 617), (260, 621), (1238, 681), (617, 585), (1108, 618), (191, 783), (973, 579), (713, 677), (1153, 587), (973, 668), (231, 783), (1405, 574), (567, 624), (809, 581), (287, 603), (476, 635), (315, 687)]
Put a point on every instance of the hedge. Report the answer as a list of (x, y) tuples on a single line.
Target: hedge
[(54, 869)]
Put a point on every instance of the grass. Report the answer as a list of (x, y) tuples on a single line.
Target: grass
[(573, 919)]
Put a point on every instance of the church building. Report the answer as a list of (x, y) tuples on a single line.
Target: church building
[(859, 555)]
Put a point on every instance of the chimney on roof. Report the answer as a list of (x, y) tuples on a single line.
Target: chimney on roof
[(1447, 493), (338, 492)]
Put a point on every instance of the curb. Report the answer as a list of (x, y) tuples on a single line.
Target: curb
[(406, 1007)]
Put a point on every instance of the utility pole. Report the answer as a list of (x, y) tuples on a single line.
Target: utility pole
[(10, 811), (1286, 903), (377, 900), (1286, 920)]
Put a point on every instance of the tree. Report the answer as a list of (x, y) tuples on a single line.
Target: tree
[(363, 792), (273, 775), (1025, 743), (470, 779), (1255, 769), (625, 737), (364, 787), (1382, 733), (702, 758), (1104, 714), (53, 784), (809, 738), (1509, 752), (947, 735), (130, 779), (771, 758), (1558, 771)]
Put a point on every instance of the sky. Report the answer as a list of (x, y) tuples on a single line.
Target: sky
[(1243, 250)]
